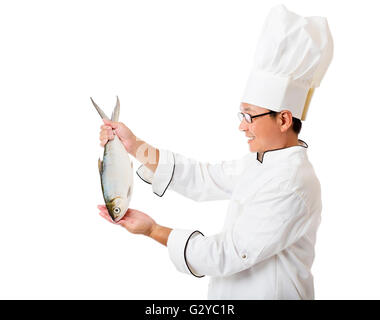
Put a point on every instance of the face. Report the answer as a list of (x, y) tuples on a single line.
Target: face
[(264, 133)]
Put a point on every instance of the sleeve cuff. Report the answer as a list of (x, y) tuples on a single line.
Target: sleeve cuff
[(160, 180), (177, 244)]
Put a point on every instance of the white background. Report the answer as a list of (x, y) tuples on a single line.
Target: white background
[(179, 69)]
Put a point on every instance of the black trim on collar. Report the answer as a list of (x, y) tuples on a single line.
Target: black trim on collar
[(303, 145), (184, 254)]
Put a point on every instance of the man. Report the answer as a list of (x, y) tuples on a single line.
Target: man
[(266, 248)]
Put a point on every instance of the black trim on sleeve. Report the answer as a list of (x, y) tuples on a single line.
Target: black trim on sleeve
[(137, 172), (170, 178), (184, 253)]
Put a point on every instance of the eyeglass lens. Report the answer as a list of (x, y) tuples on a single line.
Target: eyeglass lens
[(245, 116)]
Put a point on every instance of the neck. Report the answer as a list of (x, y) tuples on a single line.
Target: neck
[(292, 141)]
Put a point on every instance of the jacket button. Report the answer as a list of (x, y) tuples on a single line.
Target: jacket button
[(244, 256)]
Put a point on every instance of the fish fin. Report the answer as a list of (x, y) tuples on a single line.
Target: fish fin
[(116, 111), (100, 111), (100, 166)]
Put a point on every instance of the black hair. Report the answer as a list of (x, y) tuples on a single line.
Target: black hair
[(297, 124)]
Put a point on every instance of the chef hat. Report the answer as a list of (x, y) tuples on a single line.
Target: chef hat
[(291, 58)]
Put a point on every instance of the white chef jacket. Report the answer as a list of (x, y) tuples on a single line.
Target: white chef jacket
[(266, 247)]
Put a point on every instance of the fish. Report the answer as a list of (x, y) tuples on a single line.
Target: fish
[(116, 171)]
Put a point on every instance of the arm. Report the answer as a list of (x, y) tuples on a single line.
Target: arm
[(138, 222), (160, 234), (199, 181), (261, 231), (146, 154), (161, 168)]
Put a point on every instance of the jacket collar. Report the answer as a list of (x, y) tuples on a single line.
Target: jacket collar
[(273, 155)]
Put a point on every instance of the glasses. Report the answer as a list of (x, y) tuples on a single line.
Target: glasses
[(249, 118)]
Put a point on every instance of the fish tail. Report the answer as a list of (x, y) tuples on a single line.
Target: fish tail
[(100, 111), (116, 111)]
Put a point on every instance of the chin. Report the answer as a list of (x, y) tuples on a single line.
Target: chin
[(254, 147)]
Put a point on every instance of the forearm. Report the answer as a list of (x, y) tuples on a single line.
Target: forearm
[(146, 154), (160, 234)]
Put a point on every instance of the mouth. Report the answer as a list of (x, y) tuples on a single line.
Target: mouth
[(113, 216), (250, 139), (116, 218)]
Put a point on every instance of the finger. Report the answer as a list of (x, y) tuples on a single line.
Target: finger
[(106, 216), (103, 142), (110, 123), (105, 127), (105, 131), (104, 212), (125, 222), (110, 133), (106, 138), (106, 135), (101, 206)]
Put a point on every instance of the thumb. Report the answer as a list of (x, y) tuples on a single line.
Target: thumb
[(125, 222), (112, 124)]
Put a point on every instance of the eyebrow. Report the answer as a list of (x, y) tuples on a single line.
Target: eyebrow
[(249, 109)]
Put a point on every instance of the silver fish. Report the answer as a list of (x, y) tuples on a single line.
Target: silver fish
[(116, 171)]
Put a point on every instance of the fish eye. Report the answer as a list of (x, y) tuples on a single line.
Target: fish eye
[(116, 210)]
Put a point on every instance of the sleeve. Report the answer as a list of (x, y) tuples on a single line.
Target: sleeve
[(195, 180), (265, 227)]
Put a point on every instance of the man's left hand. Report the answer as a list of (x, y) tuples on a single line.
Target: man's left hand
[(134, 221)]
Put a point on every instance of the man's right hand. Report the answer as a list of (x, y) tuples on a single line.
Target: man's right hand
[(143, 152), (125, 135)]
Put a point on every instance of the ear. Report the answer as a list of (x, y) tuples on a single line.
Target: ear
[(285, 119)]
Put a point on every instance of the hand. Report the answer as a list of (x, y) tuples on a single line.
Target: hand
[(134, 221), (125, 135)]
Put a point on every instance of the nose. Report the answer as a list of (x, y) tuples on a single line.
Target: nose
[(243, 125)]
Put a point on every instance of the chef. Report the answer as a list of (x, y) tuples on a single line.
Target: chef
[(266, 247)]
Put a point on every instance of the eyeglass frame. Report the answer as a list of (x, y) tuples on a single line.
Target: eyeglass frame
[(252, 117)]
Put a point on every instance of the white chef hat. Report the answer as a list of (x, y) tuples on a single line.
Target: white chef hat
[(291, 58)]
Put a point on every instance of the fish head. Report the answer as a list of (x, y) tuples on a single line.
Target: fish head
[(117, 207)]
